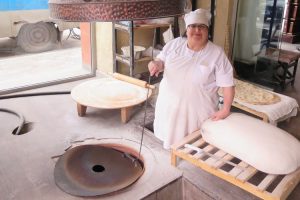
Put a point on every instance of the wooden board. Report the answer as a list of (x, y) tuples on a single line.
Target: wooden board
[(241, 174), (261, 115)]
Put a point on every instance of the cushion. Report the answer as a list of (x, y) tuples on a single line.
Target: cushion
[(265, 147)]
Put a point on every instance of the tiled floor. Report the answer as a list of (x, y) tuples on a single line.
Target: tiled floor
[(293, 125)]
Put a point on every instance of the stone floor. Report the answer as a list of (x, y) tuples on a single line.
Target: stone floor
[(26, 168), (19, 69), (27, 160)]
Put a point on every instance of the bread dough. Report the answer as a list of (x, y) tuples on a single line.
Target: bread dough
[(262, 145), (109, 93)]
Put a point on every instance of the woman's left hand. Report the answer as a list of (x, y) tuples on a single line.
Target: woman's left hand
[(228, 95), (221, 114)]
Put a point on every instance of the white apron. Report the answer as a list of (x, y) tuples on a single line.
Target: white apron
[(185, 98)]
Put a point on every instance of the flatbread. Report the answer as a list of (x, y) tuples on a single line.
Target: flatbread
[(249, 93)]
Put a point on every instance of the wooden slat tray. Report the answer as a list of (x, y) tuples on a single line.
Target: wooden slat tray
[(233, 170), (261, 115)]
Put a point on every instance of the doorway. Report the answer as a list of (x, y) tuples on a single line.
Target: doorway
[(68, 60), (261, 44)]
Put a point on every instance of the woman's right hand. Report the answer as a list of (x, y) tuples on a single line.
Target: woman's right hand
[(155, 67)]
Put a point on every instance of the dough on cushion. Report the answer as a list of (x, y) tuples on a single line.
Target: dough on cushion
[(265, 147)]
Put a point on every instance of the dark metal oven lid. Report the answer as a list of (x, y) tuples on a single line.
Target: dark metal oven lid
[(114, 10)]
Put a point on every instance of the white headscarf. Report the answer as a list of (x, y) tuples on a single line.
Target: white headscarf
[(199, 16)]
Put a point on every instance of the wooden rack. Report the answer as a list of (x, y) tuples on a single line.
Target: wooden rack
[(241, 174)]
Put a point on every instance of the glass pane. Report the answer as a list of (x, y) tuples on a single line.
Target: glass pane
[(35, 52), (257, 40)]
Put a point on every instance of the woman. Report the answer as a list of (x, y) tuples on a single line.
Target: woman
[(194, 69)]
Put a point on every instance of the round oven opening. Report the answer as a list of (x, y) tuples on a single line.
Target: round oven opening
[(97, 169)]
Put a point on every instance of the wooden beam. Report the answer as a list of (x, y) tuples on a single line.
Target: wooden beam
[(125, 114), (81, 110)]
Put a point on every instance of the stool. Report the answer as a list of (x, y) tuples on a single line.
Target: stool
[(286, 60)]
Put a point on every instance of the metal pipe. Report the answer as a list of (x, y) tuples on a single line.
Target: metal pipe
[(34, 94), (21, 119)]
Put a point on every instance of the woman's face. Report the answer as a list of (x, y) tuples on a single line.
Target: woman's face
[(197, 33)]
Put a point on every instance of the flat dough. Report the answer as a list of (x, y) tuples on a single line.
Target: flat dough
[(109, 93), (249, 93)]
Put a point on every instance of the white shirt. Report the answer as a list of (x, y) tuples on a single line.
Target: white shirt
[(188, 91)]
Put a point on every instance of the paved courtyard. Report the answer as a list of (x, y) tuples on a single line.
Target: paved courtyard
[(19, 69)]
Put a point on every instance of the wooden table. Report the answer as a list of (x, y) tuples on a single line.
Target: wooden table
[(109, 93), (271, 110)]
